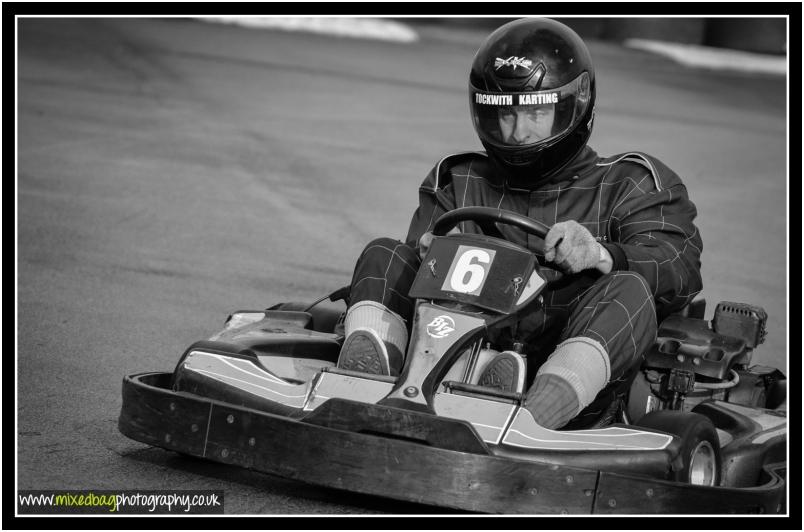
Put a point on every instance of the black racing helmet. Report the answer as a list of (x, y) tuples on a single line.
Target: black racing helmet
[(532, 96)]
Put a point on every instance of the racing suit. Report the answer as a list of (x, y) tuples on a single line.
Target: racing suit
[(635, 206)]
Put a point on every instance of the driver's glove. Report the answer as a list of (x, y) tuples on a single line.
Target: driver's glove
[(427, 238), (573, 248)]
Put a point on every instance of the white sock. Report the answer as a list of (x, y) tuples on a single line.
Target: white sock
[(583, 363)]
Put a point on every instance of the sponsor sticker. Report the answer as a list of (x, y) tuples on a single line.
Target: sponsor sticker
[(512, 61), (441, 326)]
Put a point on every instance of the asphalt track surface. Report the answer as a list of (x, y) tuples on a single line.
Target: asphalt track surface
[(173, 171)]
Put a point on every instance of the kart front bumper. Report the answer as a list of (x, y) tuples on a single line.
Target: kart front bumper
[(423, 466)]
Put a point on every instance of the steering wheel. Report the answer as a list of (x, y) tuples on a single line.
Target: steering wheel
[(486, 217)]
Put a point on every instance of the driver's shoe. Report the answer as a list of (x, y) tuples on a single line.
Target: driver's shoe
[(364, 351), (504, 372)]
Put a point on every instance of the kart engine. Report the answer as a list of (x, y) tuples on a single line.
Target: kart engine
[(693, 360)]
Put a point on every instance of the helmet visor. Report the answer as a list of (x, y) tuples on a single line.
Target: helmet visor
[(526, 119)]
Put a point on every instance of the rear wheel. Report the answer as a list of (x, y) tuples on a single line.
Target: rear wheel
[(700, 446)]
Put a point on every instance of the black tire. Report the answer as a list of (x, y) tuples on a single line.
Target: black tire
[(777, 395), (700, 445)]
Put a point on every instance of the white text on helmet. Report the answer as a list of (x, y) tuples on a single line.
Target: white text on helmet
[(537, 99), (494, 99)]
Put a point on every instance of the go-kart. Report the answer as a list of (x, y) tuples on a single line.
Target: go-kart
[(699, 430)]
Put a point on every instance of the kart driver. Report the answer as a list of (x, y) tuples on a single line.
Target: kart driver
[(621, 232)]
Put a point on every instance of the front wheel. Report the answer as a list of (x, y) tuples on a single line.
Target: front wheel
[(700, 445)]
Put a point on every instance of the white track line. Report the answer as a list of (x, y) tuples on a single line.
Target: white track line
[(714, 58), (360, 28)]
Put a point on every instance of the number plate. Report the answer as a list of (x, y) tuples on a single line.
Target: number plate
[(475, 271), (469, 270)]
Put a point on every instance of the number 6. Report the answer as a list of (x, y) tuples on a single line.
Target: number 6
[(469, 264)]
